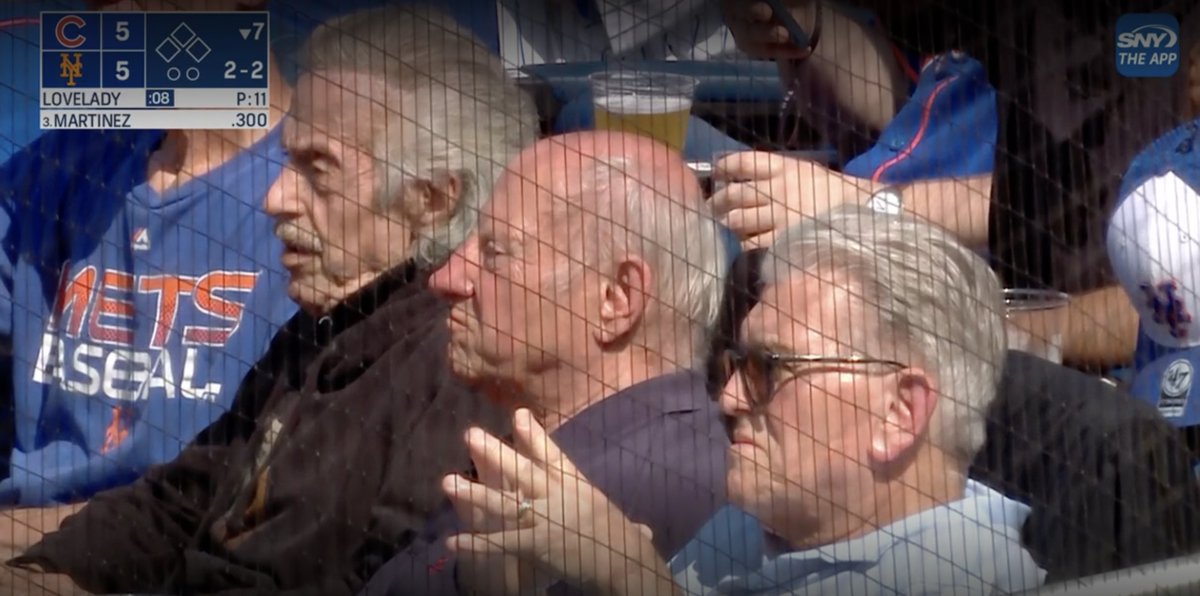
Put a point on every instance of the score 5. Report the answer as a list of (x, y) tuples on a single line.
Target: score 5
[(255, 70), (124, 31)]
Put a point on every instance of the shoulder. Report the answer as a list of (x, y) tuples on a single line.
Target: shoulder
[(673, 420), (729, 545), (1032, 385), (62, 160), (970, 546)]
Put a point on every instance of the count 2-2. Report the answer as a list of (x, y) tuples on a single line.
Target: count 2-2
[(255, 71)]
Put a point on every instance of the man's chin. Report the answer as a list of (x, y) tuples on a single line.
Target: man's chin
[(308, 299)]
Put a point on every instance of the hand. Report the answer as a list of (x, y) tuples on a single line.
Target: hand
[(569, 531), (487, 573), (765, 193), (760, 35)]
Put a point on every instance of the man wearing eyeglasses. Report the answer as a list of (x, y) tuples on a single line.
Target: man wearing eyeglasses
[(856, 399)]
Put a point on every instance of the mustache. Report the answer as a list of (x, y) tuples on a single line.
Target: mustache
[(298, 237)]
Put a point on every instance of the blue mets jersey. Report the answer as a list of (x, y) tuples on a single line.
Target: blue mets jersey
[(133, 315)]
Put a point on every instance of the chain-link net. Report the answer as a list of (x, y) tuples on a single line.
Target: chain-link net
[(804, 296)]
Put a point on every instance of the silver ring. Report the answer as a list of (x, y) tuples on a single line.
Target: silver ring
[(525, 506)]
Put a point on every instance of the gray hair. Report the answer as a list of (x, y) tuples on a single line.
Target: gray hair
[(937, 301), (677, 236), (466, 116)]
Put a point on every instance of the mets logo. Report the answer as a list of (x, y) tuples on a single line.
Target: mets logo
[(71, 70), (75, 39), (1169, 309)]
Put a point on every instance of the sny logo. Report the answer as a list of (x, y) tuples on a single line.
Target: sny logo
[(1163, 300), (71, 70), (1148, 45)]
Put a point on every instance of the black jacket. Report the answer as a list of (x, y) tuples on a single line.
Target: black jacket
[(328, 462), (1110, 481)]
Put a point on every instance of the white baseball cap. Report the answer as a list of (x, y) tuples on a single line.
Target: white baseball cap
[(1154, 245)]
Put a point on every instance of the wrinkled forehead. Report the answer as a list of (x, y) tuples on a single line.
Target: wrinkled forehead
[(527, 195), (334, 104)]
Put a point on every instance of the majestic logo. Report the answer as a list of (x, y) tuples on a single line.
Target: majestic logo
[(75, 38), (90, 345), (1167, 307), (71, 70), (141, 239)]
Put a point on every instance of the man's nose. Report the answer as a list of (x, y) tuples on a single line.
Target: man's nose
[(455, 279), (734, 400), (283, 198)]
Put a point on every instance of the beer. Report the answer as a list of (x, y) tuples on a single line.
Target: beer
[(660, 117)]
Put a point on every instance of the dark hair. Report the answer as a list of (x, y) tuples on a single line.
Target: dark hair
[(742, 289)]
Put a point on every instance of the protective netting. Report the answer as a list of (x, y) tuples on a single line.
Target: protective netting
[(881, 297)]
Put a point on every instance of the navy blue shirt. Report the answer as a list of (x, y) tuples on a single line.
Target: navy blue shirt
[(657, 450)]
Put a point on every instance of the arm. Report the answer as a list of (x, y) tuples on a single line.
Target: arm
[(140, 529), (960, 205), (1101, 329), (1101, 325), (852, 74)]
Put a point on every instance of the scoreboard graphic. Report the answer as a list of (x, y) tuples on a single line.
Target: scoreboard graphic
[(155, 70)]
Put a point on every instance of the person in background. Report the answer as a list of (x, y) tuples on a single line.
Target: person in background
[(1043, 211), (138, 282), (580, 34), (330, 457), (588, 294), (1155, 250), (874, 352)]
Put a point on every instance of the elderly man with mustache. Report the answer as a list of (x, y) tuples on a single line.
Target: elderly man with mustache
[(331, 456)]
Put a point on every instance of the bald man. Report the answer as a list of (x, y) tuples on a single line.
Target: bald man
[(586, 294)]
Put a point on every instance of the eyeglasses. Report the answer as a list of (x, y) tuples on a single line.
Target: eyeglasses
[(763, 371)]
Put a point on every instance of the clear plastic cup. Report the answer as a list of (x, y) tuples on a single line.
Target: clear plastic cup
[(1036, 321), (651, 104)]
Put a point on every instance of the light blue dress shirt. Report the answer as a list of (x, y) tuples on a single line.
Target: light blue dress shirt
[(970, 546)]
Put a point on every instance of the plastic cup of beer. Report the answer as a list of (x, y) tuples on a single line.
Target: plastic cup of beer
[(1036, 321), (651, 104)]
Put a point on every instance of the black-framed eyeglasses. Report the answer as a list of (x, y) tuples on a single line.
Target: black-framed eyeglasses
[(763, 371)]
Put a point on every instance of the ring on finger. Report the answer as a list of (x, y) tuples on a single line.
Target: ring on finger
[(524, 507)]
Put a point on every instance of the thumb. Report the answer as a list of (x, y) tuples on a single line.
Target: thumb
[(746, 166), (759, 241)]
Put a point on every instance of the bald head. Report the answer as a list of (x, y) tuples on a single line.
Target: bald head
[(596, 256), (600, 197), (566, 166)]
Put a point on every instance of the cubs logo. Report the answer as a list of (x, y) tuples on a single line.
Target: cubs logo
[(73, 39)]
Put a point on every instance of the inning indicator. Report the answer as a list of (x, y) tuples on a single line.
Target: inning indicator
[(155, 70)]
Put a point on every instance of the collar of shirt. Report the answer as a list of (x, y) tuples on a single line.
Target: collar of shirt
[(981, 509), (591, 434)]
